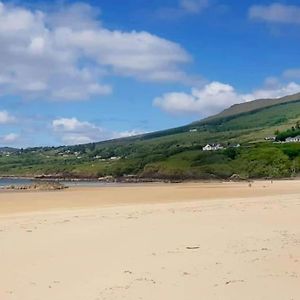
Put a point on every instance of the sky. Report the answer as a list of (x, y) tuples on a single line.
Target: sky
[(79, 72)]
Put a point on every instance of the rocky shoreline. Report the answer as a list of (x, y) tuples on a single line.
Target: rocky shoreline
[(37, 186), (105, 179)]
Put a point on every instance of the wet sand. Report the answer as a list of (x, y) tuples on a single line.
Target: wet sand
[(181, 241), (18, 202)]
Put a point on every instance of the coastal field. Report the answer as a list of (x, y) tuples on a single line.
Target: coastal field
[(157, 241)]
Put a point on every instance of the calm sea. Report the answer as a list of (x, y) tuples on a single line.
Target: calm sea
[(14, 181), (80, 183)]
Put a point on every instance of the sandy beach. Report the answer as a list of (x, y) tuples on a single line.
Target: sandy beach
[(187, 241)]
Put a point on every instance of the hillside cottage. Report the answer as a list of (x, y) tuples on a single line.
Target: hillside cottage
[(234, 146), (270, 138), (295, 139), (212, 147), (115, 158)]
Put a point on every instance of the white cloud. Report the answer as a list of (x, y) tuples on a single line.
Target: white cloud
[(211, 98), (216, 96), (292, 73), (127, 133), (276, 13), (137, 54), (71, 131), (66, 54), (6, 118), (9, 139), (194, 6), (76, 16), (184, 8), (70, 125), (277, 91)]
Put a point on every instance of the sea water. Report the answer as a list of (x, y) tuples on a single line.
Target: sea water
[(14, 181)]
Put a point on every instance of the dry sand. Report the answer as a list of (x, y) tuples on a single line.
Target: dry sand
[(184, 241)]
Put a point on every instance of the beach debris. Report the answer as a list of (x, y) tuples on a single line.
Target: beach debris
[(234, 281), (150, 280), (192, 247)]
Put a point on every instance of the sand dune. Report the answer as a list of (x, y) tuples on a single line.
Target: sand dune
[(188, 241)]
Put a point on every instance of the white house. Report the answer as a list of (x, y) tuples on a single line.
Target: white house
[(208, 147), (115, 158), (212, 147), (193, 130), (234, 146), (295, 139), (270, 138)]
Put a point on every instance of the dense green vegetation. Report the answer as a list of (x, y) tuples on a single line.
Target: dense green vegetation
[(177, 153), (250, 161), (290, 132)]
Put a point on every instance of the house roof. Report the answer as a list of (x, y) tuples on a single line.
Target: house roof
[(213, 145)]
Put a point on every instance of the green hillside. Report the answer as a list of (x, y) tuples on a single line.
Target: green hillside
[(177, 153), (256, 105)]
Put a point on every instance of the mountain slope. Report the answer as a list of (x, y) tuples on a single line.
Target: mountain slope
[(260, 116), (257, 114), (177, 153), (251, 106)]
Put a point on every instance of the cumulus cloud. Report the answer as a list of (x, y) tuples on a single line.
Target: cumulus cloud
[(76, 16), (211, 98), (72, 131), (216, 96), (6, 117), (275, 91), (276, 13), (9, 139), (66, 54)]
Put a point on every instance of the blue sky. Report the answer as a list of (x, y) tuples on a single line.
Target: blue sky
[(75, 72)]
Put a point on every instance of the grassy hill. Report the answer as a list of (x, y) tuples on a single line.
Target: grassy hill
[(252, 106), (177, 153)]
